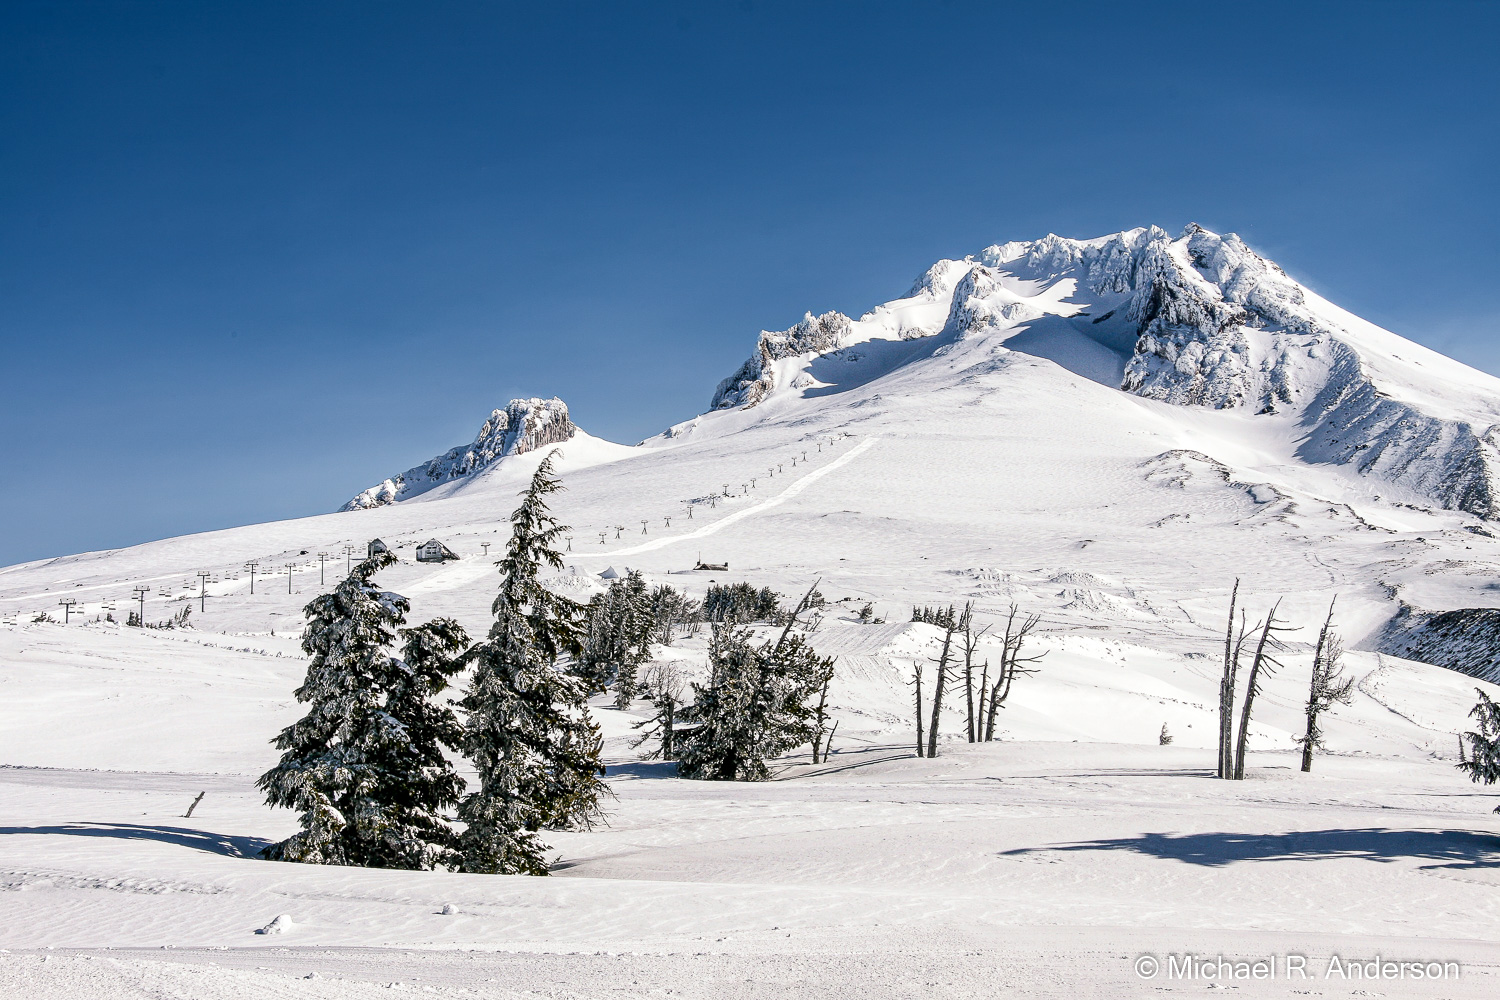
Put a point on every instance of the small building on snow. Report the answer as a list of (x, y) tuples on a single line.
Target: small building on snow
[(433, 550), (375, 548)]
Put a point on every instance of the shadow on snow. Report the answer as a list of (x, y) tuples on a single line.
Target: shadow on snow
[(199, 840), (1453, 848)]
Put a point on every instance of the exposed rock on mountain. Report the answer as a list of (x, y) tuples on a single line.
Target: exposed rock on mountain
[(1196, 321), (524, 425), (1466, 640), (755, 378)]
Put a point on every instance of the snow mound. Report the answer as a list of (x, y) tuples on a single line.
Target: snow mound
[(280, 925)]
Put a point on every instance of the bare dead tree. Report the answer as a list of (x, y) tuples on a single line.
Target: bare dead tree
[(820, 715), (1226, 684), (984, 690), (1265, 663), (665, 688), (952, 626), (1329, 686), (971, 639), (917, 681), (1012, 664)]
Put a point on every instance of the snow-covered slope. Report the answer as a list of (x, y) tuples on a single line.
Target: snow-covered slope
[(1200, 320), (967, 443), (524, 425)]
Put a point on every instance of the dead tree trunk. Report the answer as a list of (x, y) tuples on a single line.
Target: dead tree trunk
[(1329, 687), (969, 694), (918, 683), (821, 715), (1266, 663), (1226, 686), (972, 638), (940, 682), (984, 690), (1012, 663)]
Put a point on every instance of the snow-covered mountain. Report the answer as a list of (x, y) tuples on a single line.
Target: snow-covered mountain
[(1202, 321), (524, 425), (969, 443)]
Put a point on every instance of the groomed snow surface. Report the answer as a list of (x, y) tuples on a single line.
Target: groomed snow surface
[(993, 466)]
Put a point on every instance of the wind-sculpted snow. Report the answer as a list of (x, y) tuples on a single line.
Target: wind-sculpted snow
[(524, 425), (1197, 321)]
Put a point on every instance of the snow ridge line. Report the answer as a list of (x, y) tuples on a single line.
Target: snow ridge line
[(740, 515)]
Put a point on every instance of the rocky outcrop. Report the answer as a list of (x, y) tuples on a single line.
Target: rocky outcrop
[(1466, 640), (524, 425), (757, 376)]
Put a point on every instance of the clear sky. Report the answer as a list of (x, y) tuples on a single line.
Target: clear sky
[(257, 256)]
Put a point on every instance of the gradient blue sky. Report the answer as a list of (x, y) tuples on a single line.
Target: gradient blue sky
[(255, 257)]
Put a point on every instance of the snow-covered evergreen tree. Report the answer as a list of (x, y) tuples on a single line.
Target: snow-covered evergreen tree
[(756, 705), (419, 783), (1481, 749), (527, 729), (740, 602), (671, 607), (620, 627), (365, 765)]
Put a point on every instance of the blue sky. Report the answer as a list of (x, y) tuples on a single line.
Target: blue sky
[(257, 256)]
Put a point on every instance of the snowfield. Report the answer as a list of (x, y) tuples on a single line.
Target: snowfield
[(969, 442)]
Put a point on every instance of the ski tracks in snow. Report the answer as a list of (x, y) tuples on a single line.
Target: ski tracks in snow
[(754, 509)]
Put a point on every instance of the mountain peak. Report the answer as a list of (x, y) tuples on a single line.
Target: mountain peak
[(1201, 320), (522, 426)]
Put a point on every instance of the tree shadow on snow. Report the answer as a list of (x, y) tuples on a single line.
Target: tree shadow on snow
[(643, 769), (1453, 848), (199, 840)]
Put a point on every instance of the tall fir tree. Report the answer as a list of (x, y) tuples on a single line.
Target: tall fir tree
[(420, 783), (365, 766), (527, 727)]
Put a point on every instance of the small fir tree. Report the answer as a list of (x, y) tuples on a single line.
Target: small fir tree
[(418, 782), (1329, 687), (527, 730), (620, 626), (1479, 750), (671, 607), (755, 706), (740, 602)]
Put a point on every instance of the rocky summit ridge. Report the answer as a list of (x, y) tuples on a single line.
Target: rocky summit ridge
[(1199, 320), (522, 426)]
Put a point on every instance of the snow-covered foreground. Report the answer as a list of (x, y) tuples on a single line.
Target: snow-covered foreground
[(1037, 866)]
